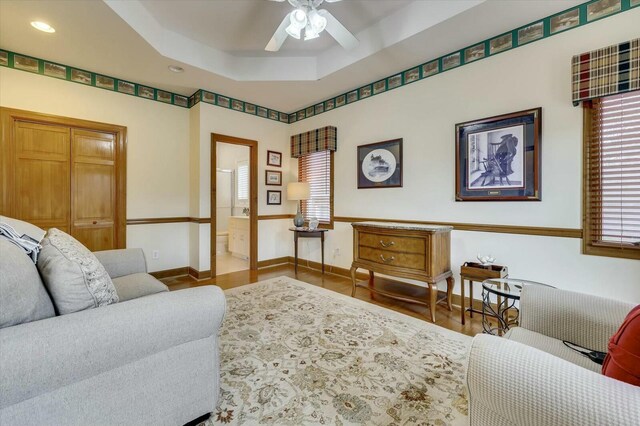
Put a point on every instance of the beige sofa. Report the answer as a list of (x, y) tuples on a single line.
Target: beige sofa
[(151, 359), (530, 377)]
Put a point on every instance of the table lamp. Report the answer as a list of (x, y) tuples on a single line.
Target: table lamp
[(298, 191)]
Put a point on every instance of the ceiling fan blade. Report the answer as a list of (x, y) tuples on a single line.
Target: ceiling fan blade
[(279, 36), (339, 32)]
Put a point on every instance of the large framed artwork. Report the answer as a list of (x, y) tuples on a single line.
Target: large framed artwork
[(498, 158), (380, 165)]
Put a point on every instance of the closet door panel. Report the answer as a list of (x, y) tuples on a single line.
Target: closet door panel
[(42, 182), (93, 189)]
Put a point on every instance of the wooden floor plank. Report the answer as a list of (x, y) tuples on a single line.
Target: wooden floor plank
[(444, 317)]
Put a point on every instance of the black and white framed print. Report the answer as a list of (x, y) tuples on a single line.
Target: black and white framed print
[(498, 158), (274, 198), (274, 158), (380, 165), (273, 177)]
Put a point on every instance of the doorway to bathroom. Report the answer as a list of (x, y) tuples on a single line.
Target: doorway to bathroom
[(234, 204)]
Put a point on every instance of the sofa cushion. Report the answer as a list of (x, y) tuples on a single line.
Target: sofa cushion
[(137, 285), (623, 359), (550, 345), (23, 297), (76, 280)]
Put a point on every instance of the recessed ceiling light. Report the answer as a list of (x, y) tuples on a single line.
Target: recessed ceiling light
[(43, 26), (175, 68)]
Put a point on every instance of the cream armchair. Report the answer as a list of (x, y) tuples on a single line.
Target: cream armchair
[(530, 377)]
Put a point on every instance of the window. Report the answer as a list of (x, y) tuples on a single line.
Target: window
[(243, 181), (612, 176), (317, 169)]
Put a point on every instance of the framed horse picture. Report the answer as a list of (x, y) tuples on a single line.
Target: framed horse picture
[(498, 158)]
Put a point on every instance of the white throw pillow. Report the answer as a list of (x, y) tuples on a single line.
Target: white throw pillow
[(75, 278)]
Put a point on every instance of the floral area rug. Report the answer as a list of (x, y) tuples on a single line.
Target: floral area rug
[(295, 354)]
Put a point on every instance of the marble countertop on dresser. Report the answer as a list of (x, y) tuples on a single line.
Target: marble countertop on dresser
[(406, 226)]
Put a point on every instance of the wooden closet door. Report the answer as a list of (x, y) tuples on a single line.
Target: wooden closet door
[(93, 189), (42, 182)]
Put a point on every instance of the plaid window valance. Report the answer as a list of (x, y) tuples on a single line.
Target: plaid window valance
[(323, 139), (608, 71)]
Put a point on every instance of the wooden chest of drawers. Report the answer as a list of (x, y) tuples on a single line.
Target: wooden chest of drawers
[(405, 250)]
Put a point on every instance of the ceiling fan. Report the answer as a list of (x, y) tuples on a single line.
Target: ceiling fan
[(307, 17)]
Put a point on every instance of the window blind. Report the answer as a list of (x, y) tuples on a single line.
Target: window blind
[(612, 188), (317, 169), (243, 181)]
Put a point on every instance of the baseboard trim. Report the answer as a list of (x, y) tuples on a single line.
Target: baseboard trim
[(170, 273), (302, 264), (273, 262), (199, 275)]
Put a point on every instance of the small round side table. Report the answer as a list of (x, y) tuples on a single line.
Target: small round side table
[(499, 301)]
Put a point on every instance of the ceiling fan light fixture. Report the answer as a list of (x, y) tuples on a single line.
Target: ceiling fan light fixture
[(293, 31), (298, 20), (310, 33), (317, 21)]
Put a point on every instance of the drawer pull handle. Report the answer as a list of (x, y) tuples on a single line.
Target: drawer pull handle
[(387, 260), (383, 244)]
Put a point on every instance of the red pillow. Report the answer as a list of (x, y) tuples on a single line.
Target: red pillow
[(623, 359)]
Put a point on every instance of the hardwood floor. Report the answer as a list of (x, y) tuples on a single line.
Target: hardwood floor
[(444, 318)]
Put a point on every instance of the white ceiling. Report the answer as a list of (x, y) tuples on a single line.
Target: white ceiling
[(254, 22), (91, 35)]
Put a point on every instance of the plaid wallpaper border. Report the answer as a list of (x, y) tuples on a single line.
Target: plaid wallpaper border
[(607, 71), (566, 20), (322, 139)]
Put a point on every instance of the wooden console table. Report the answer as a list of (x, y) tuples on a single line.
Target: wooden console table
[(405, 250)]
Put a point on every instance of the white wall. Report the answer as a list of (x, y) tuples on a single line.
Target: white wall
[(424, 115), (157, 154)]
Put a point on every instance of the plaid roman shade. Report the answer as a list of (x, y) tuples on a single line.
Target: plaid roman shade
[(608, 71), (323, 139)]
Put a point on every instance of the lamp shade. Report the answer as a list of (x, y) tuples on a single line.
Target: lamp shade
[(298, 191)]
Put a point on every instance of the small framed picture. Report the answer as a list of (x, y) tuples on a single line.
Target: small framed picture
[(80, 76), (273, 177), (501, 43), (180, 100), (274, 158), (104, 82), (145, 92), (55, 70), (530, 33), (601, 8), (209, 97), (565, 20), (380, 165), (498, 158), (25, 63), (164, 96), (274, 198)]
